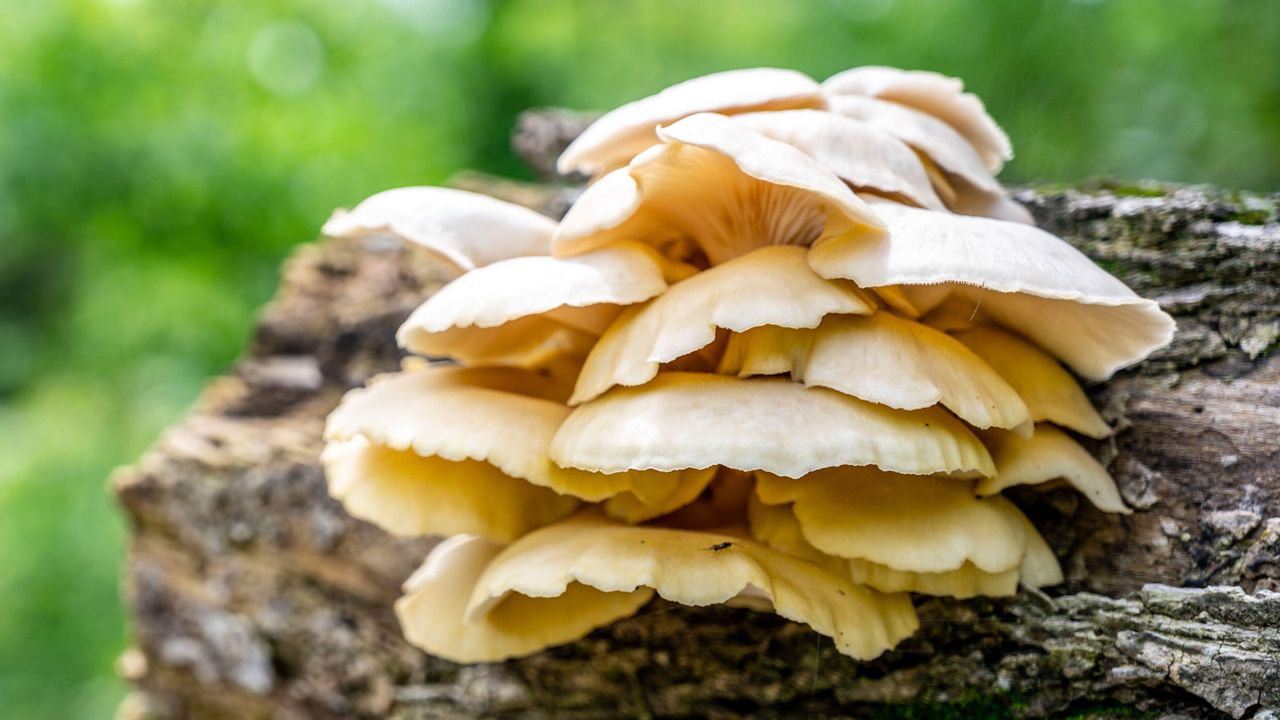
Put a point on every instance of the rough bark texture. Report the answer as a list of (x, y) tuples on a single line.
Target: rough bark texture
[(255, 596)]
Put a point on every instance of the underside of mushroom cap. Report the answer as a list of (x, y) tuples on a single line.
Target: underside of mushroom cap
[(408, 494), (621, 134), (884, 359), (465, 230), (713, 190), (938, 95), (691, 568), (905, 522), (759, 424), (1049, 391), (1048, 455), (432, 612), (1024, 275), (768, 286)]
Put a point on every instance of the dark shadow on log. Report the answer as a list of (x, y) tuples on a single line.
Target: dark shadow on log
[(255, 596)]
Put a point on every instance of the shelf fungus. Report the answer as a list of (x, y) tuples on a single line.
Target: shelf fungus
[(787, 350)]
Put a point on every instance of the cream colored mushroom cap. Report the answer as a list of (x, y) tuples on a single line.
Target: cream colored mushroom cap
[(407, 494), (433, 609), (696, 420), (1049, 454), (938, 95), (512, 432), (912, 523), (719, 185), (859, 153), (1030, 281), (1051, 394), (882, 359), (621, 274), (692, 568), (464, 229), (621, 134), (768, 286)]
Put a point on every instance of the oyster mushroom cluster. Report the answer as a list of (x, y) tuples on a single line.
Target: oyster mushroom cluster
[(787, 350)]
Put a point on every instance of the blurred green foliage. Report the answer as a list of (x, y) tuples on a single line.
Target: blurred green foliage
[(159, 159)]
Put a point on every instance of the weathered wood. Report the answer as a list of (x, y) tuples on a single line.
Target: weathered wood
[(254, 595)]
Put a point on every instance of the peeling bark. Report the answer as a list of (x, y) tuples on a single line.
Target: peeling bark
[(255, 596)]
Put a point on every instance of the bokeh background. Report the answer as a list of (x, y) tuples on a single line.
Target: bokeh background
[(159, 158)]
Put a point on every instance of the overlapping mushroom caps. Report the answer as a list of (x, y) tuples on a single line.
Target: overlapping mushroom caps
[(766, 358)]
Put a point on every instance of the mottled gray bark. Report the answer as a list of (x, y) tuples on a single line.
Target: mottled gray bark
[(254, 595)]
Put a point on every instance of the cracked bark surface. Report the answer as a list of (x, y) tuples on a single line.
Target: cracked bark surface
[(254, 596)]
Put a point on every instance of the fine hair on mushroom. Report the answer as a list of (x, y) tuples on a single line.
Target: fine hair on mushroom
[(789, 349)]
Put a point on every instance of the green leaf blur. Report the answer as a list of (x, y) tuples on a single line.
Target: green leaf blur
[(159, 159)]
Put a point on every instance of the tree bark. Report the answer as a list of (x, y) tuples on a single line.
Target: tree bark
[(255, 596)]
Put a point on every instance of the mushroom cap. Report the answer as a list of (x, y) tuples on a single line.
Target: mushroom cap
[(686, 567), (859, 153), (512, 432), (1040, 567), (966, 581), (631, 509), (433, 609), (715, 188), (924, 524), (1024, 275), (767, 286), (530, 342), (885, 359), (932, 93), (407, 494), (1051, 394), (696, 420), (946, 147), (464, 229), (1049, 454), (621, 274), (621, 134)]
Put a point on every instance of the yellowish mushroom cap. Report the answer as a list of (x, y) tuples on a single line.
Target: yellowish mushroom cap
[(768, 286), (407, 494), (1049, 454), (937, 95), (883, 359), (861, 154), (924, 524), (1051, 394), (696, 420), (1029, 280), (621, 134), (713, 189), (463, 229), (691, 568), (432, 612), (631, 509)]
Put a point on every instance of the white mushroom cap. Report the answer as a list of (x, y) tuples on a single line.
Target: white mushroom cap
[(859, 153), (1050, 392), (768, 286), (621, 134), (717, 188), (1049, 454), (932, 93), (696, 420), (464, 229), (407, 494), (524, 311), (1025, 276), (883, 359), (906, 522), (957, 172), (686, 567), (433, 609)]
